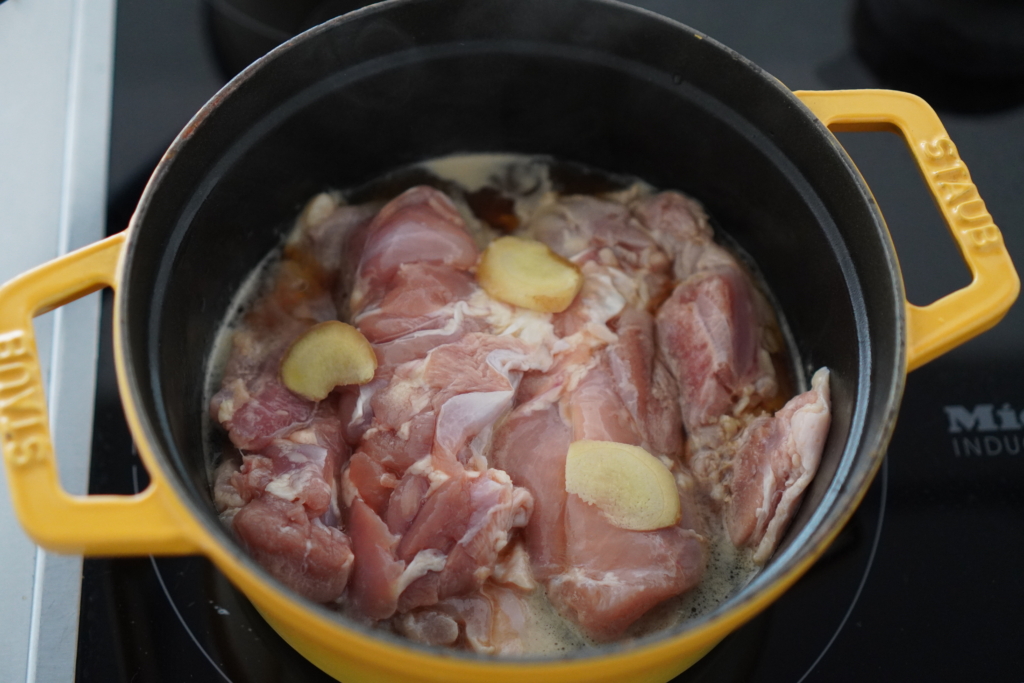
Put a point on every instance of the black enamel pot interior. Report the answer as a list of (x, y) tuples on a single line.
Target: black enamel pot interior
[(586, 81)]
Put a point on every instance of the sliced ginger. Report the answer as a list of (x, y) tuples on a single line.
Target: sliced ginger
[(526, 273), (328, 355), (629, 485)]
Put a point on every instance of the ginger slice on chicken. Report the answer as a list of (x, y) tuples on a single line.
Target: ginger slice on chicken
[(327, 355), (527, 273), (630, 486)]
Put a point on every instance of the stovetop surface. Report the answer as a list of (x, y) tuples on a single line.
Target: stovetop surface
[(925, 583)]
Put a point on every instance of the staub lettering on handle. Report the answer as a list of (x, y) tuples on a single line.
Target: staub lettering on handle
[(959, 195), (21, 406)]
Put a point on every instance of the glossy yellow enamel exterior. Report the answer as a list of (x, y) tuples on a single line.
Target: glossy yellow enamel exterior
[(157, 521), (934, 329), (151, 521)]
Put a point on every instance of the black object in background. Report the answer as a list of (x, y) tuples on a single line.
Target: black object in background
[(960, 55), (242, 31)]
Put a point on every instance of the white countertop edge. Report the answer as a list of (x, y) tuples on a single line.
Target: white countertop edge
[(56, 78)]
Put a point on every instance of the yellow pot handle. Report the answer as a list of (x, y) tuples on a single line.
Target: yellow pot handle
[(934, 329), (99, 525)]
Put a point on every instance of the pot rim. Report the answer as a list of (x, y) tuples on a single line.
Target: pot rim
[(848, 487)]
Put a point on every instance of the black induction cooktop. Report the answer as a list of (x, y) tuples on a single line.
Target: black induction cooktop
[(926, 583)]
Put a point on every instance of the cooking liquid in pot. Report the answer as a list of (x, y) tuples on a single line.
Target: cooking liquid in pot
[(494, 195)]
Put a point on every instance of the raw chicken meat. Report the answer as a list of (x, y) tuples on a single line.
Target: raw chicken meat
[(492, 621), (428, 517), (281, 498), (776, 458), (601, 387), (432, 500), (715, 333)]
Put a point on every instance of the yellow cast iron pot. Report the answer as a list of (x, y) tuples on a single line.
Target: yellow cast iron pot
[(588, 81)]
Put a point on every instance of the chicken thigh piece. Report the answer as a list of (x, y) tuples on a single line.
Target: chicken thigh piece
[(427, 514), (776, 458), (605, 384), (716, 334), (278, 489)]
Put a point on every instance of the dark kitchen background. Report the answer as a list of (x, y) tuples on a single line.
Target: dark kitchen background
[(925, 583)]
